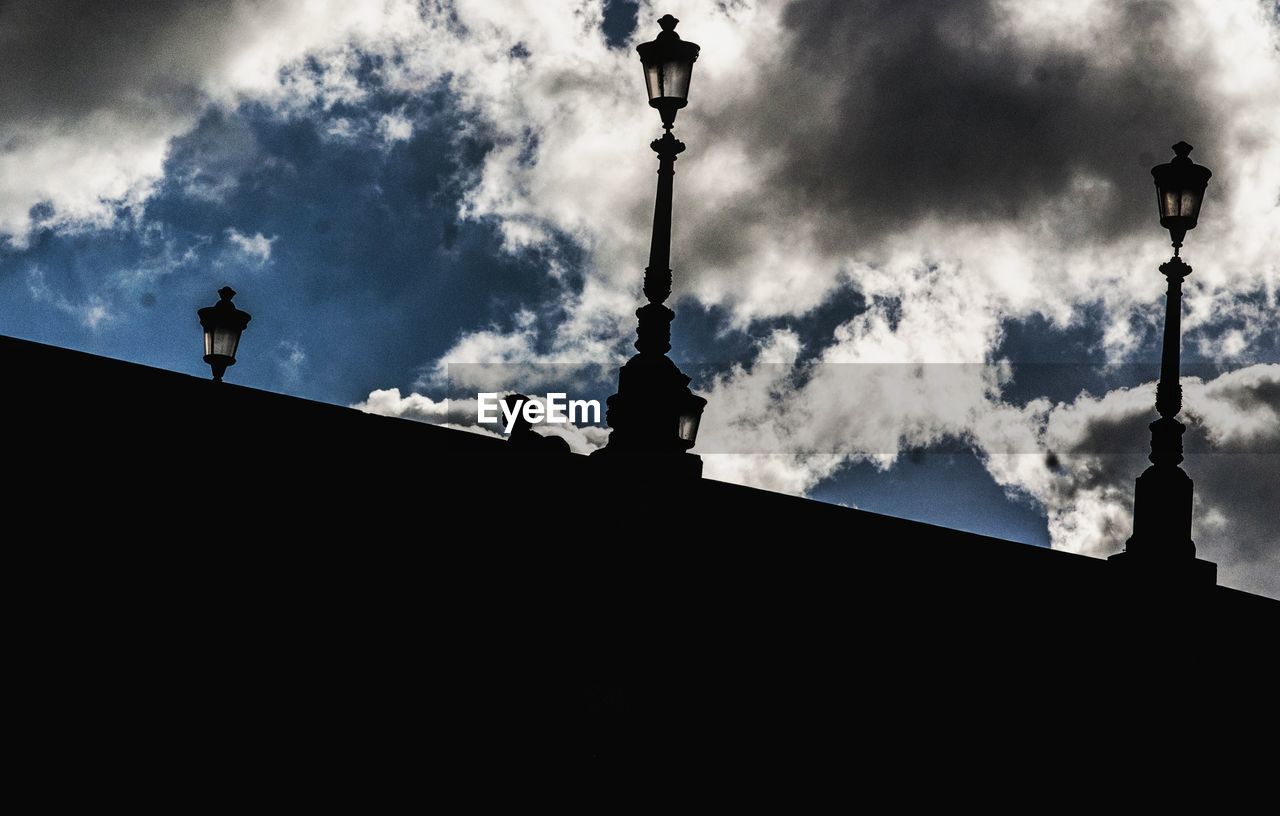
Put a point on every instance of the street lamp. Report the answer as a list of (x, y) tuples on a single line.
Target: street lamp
[(1161, 541), (668, 67), (1179, 191), (223, 324), (654, 414)]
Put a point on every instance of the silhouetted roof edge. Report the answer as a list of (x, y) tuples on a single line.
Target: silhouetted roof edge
[(465, 442)]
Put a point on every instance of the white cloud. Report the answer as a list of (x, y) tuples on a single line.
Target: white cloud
[(388, 402), (255, 248), (784, 473), (395, 127), (86, 174), (456, 414)]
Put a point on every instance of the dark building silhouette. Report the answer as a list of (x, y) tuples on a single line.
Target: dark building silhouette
[(216, 583)]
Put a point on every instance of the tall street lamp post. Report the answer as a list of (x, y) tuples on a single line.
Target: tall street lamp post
[(654, 415), (1161, 542)]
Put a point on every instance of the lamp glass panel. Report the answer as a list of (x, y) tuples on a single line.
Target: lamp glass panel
[(688, 430), (675, 79), (1190, 206), (224, 342), (668, 80), (653, 81)]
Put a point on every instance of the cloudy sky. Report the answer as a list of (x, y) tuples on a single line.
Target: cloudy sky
[(915, 243)]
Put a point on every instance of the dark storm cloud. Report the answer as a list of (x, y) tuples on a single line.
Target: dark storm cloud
[(893, 110), (68, 58)]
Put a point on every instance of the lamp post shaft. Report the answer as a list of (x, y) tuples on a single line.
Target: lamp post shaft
[(1169, 390), (654, 332), (657, 276), (1166, 432)]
